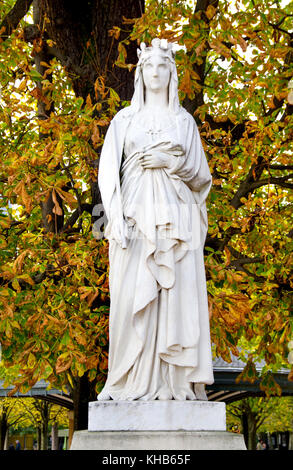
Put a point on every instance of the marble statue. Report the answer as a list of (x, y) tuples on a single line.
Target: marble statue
[(154, 180)]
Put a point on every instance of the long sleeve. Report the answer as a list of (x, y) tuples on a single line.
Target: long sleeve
[(193, 169), (109, 176)]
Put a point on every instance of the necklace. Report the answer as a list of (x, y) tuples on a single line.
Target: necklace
[(154, 129)]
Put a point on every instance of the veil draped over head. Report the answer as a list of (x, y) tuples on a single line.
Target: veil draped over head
[(166, 49)]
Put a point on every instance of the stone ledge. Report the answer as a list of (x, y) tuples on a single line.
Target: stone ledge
[(170, 415), (157, 440)]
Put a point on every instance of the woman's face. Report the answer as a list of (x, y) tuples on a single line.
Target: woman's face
[(156, 73)]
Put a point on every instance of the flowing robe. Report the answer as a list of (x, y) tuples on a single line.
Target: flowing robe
[(159, 323)]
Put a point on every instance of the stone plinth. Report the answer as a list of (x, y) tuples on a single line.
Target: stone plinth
[(157, 440), (157, 415), (157, 425)]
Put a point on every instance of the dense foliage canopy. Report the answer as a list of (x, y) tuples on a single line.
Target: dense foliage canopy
[(234, 65)]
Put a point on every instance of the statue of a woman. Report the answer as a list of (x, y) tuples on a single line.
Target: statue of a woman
[(154, 180)]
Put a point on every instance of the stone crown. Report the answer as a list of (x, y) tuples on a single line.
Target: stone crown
[(157, 45)]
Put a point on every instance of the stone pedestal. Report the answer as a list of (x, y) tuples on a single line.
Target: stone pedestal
[(157, 415), (152, 425)]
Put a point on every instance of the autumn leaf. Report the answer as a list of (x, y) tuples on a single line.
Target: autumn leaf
[(57, 209), (210, 12), (63, 363), (25, 198), (67, 197), (95, 135)]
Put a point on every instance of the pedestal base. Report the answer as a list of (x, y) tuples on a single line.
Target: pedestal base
[(157, 415), (157, 440), (157, 425)]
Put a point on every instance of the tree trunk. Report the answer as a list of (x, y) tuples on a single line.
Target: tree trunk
[(3, 431), (39, 438), (45, 413), (44, 436), (244, 422), (83, 393), (83, 45), (249, 430), (252, 434), (54, 436)]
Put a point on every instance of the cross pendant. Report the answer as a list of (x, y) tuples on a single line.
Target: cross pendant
[(153, 133)]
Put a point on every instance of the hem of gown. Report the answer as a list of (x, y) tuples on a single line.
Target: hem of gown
[(164, 395)]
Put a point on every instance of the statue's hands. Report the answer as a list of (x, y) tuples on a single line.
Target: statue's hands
[(118, 232), (156, 159)]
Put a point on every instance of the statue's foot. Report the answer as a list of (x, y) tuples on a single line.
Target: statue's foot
[(165, 396), (200, 393), (103, 396)]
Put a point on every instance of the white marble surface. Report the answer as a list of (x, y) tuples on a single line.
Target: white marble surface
[(157, 440), (171, 415), (154, 180)]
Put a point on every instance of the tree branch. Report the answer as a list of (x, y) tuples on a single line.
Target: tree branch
[(281, 181), (240, 260), (75, 215), (260, 420), (236, 130), (13, 18), (246, 186), (275, 26), (67, 171), (281, 167)]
